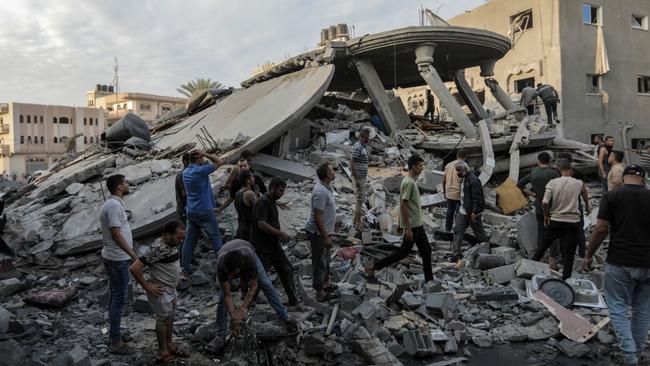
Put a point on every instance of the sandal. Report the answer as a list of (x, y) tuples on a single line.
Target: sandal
[(179, 352)]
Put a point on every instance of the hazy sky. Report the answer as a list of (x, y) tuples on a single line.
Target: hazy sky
[(52, 52)]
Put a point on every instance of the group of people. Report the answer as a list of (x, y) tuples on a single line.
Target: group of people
[(549, 97)]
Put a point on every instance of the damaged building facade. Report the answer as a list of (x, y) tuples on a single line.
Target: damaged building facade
[(603, 88)]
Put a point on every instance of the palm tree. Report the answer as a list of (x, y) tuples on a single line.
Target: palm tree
[(192, 86)]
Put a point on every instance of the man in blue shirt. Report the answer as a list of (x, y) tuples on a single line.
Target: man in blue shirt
[(200, 205)]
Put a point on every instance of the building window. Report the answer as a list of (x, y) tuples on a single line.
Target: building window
[(96, 122), (54, 119), (29, 119), (56, 141), (593, 84), (29, 139), (21, 118), (124, 106), (36, 139), (42, 140), (91, 139), (521, 21), (590, 14), (35, 119), (41, 119), (22, 139), (145, 107), (64, 120), (63, 139), (639, 22), (85, 139), (521, 84), (643, 84), (84, 121)]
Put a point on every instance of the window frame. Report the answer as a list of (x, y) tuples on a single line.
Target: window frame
[(638, 84), (522, 14), (644, 21), (599, 14), (600, 84)]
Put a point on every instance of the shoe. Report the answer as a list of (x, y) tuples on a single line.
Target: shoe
[(292, 325), (121, 349)]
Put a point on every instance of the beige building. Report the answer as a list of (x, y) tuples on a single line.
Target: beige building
[(555, 42), (149, 107), (34, 136)]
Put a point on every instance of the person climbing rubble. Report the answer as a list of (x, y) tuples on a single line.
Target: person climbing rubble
[(117, 253), (472, 203), (319, 228), (528, 97), (237, 259), (625, 214), (164, 269), (550, 98), (561, 215), (359, 169), (411, 223), (451, 189), (200, 205)]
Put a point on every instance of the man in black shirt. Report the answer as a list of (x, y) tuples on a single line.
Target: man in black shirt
[(233, 183), (266, 235), (627, 270), (179, 187)]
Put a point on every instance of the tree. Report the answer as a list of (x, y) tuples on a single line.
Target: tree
[(192, 86)]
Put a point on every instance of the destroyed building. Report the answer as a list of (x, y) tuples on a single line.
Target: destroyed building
[(293, 116)]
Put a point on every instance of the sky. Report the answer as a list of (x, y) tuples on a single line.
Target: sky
[(52, 52)]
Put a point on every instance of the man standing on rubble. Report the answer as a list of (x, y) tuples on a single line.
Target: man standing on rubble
[(615, 175), (561, 215), (410, 222), (582, 240), (179, 188), (451, 188), (319, 228), (266, 236), (359, 169), (528, 97), (164, 267), (200, 206), (549, 96), (117, 253), (538, 178), (244, 203), (472, 203), (603, 160), (233, 184), (237, 259), (627, 267)]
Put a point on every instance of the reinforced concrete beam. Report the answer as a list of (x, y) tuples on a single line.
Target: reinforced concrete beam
[(469, 96), (500, 95), (424, 60), (385, 106)]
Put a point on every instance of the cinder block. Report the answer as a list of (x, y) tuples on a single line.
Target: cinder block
[(508, 253), (500, 275), (527, 268)]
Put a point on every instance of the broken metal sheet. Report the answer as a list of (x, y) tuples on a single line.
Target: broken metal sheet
[(572, 325), (259, 114)]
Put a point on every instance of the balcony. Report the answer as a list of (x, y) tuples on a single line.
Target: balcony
[(5, 150), (4, 129)]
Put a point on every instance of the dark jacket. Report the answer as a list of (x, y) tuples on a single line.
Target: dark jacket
[(473, 199), (181, 195)]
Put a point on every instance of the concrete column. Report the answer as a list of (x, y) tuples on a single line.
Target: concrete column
[(377, 92), (469, 96), (424, 60), (500, 95)]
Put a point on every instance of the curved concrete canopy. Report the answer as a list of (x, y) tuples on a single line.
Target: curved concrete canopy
[(262, 113), (393, 54)]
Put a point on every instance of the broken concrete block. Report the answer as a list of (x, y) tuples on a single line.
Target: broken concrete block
[(348, 300), (396, 349), (544, 329), (495, 219), (161, 166), (198, 278), (527, 268), (314, 345), (604, 337), (509, 333), (483, 341), (508, 253), (495, 294), (375, 353), (500, 275), (141, 304), (411, 301), (451, 346), (527, 233), (501, 237), (432, 286), (10, 286), (12, 354), (440, 303), (365, 311), (488, 261), (41, 247), (428, 181), (418, 343), (573, 349), (79, 356), (74, 188), (286, 169), (5, 320), (395, 323), (88, 281)]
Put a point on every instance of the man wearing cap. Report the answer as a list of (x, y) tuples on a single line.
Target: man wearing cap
[(200, 205), (626, 211)]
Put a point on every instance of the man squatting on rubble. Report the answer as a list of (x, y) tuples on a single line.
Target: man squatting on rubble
[(539, 178), (603, 160), (266, 236), (319, 227), (451, 188), (200, 206), (117, 253), (411, 222), (472, 203), (561, 215), (164, 269), (615, 175), (237, 259), (359, 169), (626, 211)]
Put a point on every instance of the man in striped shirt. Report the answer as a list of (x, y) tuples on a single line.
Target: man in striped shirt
[(359, 168)]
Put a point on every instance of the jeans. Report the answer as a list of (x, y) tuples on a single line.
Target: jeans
[(625, 288), (283, 267), (270, 293), (424, 249), (195, 222), (460, 227), (452, 209), (551, 111), (320, 262), (118, 282), (603, 185), (567, 232)]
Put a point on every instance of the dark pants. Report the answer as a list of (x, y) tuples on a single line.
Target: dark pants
[(551, 110), (424, 249), (460, 227), (320, 262), (196, 221), (530, 109), (283, 267), (567, 232), (118, 282), (582, 240), (452, 209)]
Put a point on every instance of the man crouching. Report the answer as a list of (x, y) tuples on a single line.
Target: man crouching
[(164, 268)]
